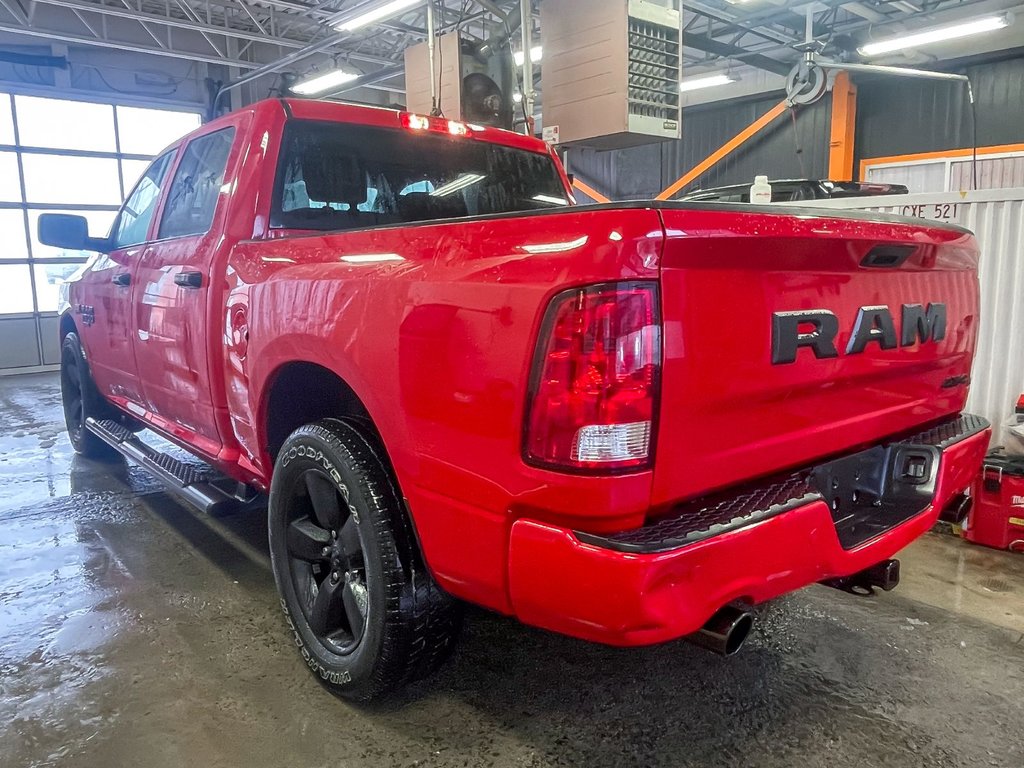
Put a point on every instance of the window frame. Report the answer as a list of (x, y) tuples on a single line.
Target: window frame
[(182, 149), (172, 164)]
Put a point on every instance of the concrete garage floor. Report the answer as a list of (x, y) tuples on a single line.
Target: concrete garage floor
[(135, 632)]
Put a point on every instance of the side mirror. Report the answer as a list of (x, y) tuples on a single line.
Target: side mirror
[(71, 233)]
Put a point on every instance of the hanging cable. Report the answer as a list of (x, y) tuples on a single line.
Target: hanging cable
[(438, 111), (796, 142), (974, 136)]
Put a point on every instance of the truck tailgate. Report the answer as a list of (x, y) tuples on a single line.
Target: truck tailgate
[(746, 392)]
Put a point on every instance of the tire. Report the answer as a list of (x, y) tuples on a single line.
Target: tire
[(364, 613), (82, 400)]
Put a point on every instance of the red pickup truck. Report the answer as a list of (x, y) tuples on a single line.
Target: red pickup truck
[(627, 422)]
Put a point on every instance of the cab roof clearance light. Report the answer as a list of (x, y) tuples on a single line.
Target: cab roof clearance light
[(416, 122)]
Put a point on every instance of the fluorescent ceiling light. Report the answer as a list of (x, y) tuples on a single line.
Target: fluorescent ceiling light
[(325, 82), (535, 55), (706, 82), (465, 180), (550, 199), (936, 35), (369, 15)]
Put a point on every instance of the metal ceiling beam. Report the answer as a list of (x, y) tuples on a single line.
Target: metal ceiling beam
[(15, 10), (120, 45), (368, 80), (738, 21), (170, 21), (729, 51), (276, 66)]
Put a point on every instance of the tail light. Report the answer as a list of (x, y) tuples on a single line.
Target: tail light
[(593, 392)]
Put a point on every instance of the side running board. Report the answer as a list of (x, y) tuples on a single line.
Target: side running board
[(201, 487)]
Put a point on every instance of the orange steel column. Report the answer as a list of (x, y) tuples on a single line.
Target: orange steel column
[(844, 122), (724, 150)]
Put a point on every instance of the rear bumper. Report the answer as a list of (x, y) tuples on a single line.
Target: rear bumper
[(633, 589)]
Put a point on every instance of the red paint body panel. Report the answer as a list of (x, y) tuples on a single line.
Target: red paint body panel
[(437, 337), (727, 412), (626, 599)]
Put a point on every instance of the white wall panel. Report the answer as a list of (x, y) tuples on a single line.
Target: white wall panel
[(993, 173), (917, 177), (997, 219)]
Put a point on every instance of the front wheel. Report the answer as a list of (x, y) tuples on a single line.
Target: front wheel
[(365, 614), (81, 400)]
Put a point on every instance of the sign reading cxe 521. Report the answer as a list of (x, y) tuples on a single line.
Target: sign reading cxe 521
[(817, 329)]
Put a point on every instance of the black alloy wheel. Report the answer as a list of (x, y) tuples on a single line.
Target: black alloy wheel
[(364, 612), (327, 561), (82, 400), (71, 395)]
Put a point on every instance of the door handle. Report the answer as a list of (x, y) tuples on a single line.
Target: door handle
[(121, 278), (189, 279)]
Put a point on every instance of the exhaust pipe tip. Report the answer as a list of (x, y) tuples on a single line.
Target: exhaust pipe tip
[(884, 575), (725, 632)]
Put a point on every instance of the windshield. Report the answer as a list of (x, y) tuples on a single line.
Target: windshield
[(341, 176)]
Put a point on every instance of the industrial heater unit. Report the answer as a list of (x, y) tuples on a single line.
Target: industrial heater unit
[(611, 71)]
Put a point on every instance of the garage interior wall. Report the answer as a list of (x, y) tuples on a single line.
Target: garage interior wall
[(895, 116), (951, 170), (643, 172), (900, 116)]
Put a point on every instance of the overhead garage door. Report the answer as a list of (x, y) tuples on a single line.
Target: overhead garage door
[(61, 155)]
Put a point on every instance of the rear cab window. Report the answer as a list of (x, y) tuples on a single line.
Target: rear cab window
[(336, 176)]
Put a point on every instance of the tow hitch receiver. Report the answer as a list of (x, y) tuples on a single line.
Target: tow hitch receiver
[(884, 575)]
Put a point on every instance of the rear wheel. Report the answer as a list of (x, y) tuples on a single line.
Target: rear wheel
[(365, 614), (81, 401)]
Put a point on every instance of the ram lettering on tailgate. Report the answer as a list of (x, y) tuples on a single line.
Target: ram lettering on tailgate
[(817, 329)]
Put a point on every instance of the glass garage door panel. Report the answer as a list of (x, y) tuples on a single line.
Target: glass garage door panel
[(49, 278), (148, 131), (62, 155), (6, 120), (10, 184), (15, 289), (71, 180), (61, 124), (12, 234)]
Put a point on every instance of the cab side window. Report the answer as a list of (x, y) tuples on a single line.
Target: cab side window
[(192, 197), (133, 224)]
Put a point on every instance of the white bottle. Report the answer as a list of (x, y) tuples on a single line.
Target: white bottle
[(760, 191)]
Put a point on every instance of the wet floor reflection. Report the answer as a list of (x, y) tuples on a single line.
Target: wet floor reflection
[(136, 632)]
